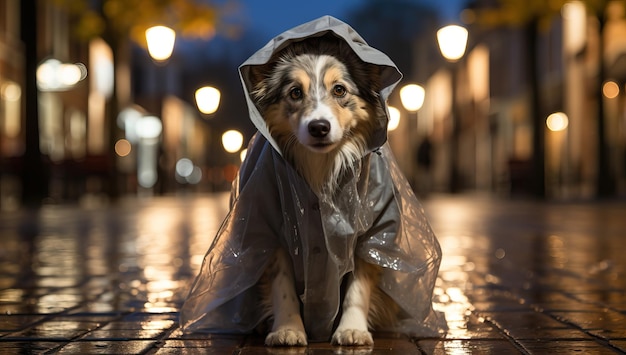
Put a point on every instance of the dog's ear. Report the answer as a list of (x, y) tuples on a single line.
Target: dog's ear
[(258, 76), (372, 82)]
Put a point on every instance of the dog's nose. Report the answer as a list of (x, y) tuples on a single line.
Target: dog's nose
[(319, 128)]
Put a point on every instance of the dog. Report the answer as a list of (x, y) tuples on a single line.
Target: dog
[(320, 104), (324, 239)]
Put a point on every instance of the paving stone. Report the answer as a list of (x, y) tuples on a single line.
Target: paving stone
[(471, 346), (594, 319), (514, 279), (107, 347), (208, 346), (10, 323), (30, 346), (557, 347), (53, 330)]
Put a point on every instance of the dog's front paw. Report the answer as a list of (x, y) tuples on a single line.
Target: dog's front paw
[(286, 337), (352, 337)]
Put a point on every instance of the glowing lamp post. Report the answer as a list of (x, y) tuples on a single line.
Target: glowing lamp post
[(557, 123), (452, 41), (207, 99), (160, 42), (412, 97)]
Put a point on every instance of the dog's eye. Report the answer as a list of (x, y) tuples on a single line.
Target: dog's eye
[(339, 91), (295, 93)]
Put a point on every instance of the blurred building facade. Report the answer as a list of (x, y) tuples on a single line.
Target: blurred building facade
[(91, 152), (87, 150), (494, 97)]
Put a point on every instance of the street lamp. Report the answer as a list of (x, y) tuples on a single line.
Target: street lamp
[(557, 123), (207, 99), (452, 41), (412, 97), (232, 140), (160, 41)]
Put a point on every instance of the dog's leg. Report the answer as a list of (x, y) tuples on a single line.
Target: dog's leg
[(287, 328), (352, 328)]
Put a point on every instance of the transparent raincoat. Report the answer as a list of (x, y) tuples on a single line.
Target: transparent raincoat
[(374, 216)]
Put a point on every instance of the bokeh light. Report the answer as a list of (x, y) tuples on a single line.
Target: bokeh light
[(557, 121), (161, 41), (208, 99), (452, 41), (122, 147), (610, 89), (394, 118), (149, 127), (232, 140), (184, 167), (53, 75), (412, 97)]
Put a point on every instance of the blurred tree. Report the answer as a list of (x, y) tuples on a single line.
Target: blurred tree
[(119, 21), (535, 16)]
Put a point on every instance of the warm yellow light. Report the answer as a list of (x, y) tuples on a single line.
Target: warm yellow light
[(122, 147), (70, 74), (161, 41), (394, 118), (207, 99), (610, 89), (53, 75), (452, 41), (412, 97), (11, 94), (242, 155), (10, 91), (232, 141), (557, 121), (575, 26)]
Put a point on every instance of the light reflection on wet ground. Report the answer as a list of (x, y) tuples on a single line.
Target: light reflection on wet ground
[(516, 277), (533, 274), (138, 256)]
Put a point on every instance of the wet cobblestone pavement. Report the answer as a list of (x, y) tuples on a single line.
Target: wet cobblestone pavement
[(517, 277)]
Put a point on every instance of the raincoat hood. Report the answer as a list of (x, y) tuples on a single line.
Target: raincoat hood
[(373, 215), (389, 73)]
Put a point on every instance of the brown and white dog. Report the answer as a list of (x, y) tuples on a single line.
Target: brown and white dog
[(320, 103)]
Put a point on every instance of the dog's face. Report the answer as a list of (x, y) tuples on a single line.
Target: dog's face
[(318, 95), (318, 103)]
